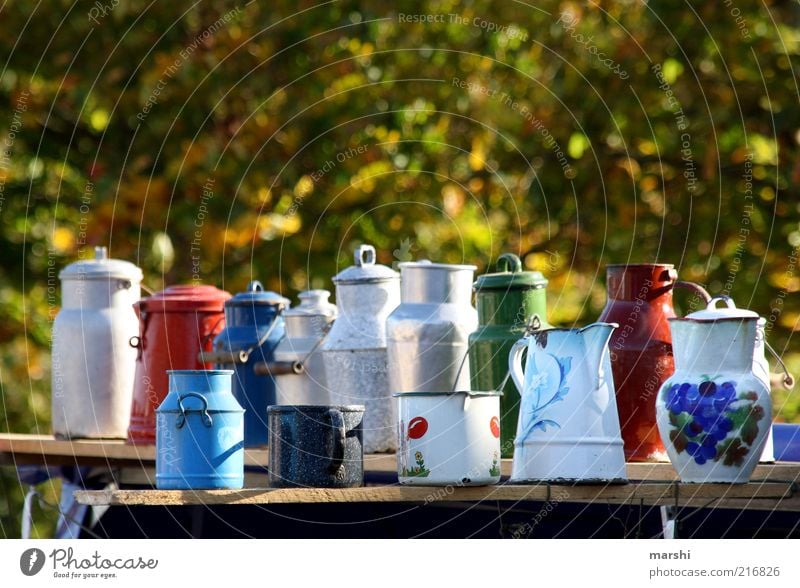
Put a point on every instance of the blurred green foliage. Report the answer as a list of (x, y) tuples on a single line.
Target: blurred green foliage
[(268, 139)]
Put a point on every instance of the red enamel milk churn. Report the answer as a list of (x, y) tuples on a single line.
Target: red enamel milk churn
[(174, 326), (640, 301)]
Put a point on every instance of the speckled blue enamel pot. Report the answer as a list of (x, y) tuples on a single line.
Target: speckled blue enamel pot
[(199, 433), (315, 446)]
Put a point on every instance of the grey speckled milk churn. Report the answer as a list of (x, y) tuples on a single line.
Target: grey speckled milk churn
[(354, 352)]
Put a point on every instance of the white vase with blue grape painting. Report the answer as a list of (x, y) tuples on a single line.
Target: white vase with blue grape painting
[(714, 413)]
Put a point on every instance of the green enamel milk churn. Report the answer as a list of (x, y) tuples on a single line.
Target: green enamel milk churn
[(507, 302)]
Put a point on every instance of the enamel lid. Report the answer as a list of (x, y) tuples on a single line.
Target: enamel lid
[(427, 264), (313, 303), (255, 295), (470, 393), (101, 268), (186, 297), (365, 269), (510, 275), (712, 312)]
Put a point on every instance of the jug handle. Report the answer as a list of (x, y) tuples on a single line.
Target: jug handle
[(181, 420), (208, 336), (696, 288), (515, 363), (339, 433)]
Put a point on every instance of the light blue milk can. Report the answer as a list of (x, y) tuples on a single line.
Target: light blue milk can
[(199, 433), (254, 326)]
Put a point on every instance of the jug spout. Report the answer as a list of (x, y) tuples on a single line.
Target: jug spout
[(595, 340)]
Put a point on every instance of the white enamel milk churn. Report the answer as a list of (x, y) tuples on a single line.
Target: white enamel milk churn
[(306, 326), (93, 364), (354, 351), (568, 428), (428, 334)]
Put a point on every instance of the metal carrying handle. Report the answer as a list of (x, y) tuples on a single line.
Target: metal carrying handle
[(237, 357), (285, 368), (729, 303), (533, 324), (788, 379), (509, 262), (339, 435), (278, 368), (204, 415), (364, 255), (210, 332), (243, 355)]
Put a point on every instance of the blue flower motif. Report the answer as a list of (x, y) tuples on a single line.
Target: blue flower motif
[(547, 386)]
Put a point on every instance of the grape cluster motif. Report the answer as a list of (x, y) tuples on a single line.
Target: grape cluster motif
[(712, 421)]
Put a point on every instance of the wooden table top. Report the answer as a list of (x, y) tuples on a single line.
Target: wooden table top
[(773, 486)]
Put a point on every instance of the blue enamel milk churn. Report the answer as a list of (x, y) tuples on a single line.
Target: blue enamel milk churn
[(199, 433), (254, 326)]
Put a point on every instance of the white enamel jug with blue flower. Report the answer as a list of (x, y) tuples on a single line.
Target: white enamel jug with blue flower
[(568, 428)]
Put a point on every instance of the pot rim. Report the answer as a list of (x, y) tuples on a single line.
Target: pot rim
[(315, 407), (722, 319), (201, 372), (641, 265), (423, 264), (450, 393), (574, 329)]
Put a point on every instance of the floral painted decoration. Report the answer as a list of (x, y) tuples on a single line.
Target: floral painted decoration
[(547, 386), (494, 471), (420, 471), (712, 422)]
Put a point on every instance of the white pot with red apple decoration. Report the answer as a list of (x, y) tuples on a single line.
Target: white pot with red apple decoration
[(448, 438)]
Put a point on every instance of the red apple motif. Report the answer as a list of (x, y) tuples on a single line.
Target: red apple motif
[(494, 425), (417, 427)]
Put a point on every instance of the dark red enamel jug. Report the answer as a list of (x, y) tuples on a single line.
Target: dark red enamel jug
[(640, 301), (174, 326)]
